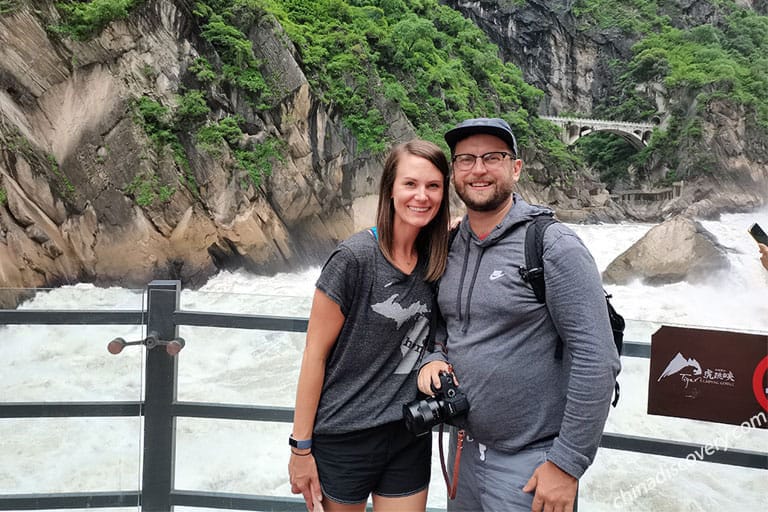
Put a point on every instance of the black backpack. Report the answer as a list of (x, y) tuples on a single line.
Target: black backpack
[(533, 273)]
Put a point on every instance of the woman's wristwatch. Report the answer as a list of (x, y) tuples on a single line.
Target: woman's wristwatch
[(303, 444)]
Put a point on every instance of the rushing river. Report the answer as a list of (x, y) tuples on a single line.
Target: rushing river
[(70, 363)]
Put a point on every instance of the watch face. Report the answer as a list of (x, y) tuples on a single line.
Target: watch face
[(302, 445)]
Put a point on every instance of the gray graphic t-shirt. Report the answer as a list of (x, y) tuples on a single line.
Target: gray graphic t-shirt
[(372, 368)]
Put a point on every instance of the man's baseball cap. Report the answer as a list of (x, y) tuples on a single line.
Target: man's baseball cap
[(489, 125)]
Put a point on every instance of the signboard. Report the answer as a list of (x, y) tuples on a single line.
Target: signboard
[(709, 375)]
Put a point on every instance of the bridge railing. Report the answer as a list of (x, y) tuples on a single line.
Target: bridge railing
[(163, 413), (582, 121)]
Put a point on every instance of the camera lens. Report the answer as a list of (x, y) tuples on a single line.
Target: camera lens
[(421, 416)]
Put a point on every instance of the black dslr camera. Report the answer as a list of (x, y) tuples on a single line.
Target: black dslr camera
[(421, 415)]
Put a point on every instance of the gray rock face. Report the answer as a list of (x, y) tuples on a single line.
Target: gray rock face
[(570, 65), (679, 249), (71, 149)]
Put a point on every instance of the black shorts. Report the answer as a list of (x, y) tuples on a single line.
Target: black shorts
[(387, 461)]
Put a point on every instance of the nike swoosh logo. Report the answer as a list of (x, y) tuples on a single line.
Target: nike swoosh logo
[(496, 274)]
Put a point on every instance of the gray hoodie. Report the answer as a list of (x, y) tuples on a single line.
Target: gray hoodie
[(501, 341)]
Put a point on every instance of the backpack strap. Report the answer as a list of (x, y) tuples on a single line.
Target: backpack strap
[(452, 236), (533, 271)]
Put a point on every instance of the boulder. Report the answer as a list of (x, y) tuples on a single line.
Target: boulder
[(679, 249)]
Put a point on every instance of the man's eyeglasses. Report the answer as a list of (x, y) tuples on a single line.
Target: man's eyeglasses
[(492, 161)]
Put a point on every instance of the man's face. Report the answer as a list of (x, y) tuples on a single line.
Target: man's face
[(480, 187)]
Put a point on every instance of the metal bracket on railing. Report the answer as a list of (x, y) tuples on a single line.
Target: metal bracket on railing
[(152, 340)]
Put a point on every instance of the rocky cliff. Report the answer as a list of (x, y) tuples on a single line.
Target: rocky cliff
[(73, 157), (87, 193)]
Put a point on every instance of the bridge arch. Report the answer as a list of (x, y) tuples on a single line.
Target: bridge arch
[(574, 128)]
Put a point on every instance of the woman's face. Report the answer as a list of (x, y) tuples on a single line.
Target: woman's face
[(417, 191)]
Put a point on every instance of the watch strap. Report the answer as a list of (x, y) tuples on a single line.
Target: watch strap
[(300, 444)]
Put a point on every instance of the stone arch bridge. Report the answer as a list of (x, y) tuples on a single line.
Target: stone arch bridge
[(573, 128)]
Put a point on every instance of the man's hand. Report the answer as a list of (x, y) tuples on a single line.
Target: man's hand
[(763, 255), (555, 490), (430, 375), (304, 480)]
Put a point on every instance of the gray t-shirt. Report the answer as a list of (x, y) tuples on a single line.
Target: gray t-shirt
[(372, 368)]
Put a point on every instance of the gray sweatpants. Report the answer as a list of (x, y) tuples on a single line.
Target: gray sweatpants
[(490, 480)]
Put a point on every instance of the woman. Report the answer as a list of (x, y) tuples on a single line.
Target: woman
[(368, 327)]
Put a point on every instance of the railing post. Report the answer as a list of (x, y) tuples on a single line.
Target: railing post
[(160, 394)]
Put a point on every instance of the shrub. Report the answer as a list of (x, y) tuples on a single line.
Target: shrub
[(212, 136), (258, 162), (202, 70), (8, 6), (83, 20), (146, 190), (192, 108)]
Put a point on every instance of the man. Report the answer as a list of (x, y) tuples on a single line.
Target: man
[(763, 255), (534, 420)]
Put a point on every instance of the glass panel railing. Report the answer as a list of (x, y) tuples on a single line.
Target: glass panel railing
[(288, 294), (69, 363), (258, 368), (70, 455), (621, 480), (233, 456), (238, 366), (71, 421)]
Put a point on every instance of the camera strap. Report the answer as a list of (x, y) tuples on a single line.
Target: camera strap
[(459, 445)]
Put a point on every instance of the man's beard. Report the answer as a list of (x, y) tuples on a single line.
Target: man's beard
[(496, 201)]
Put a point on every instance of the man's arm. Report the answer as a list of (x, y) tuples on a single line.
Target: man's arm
[(434, 360), (576, 303)]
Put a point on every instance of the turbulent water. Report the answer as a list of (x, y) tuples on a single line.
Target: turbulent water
[(70, 363)]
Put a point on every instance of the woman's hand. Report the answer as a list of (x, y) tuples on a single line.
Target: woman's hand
[(430, 375), (304, 480)]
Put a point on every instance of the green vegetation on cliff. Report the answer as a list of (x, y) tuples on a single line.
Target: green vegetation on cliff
[(368, 58), (256, 161), (83, 20), (426, 58), (11, 139), (365, 57), (147, 190), (9, 6)]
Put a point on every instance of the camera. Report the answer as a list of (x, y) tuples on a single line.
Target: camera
[(421, 415)]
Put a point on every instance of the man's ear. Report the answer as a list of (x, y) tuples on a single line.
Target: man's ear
[(517, 167)]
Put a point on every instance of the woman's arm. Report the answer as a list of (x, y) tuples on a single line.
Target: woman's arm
[(325, 323)]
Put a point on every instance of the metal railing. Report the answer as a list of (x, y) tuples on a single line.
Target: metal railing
[(160, 408)]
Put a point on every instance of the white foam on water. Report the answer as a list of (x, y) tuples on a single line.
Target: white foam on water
[(70, 363)]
